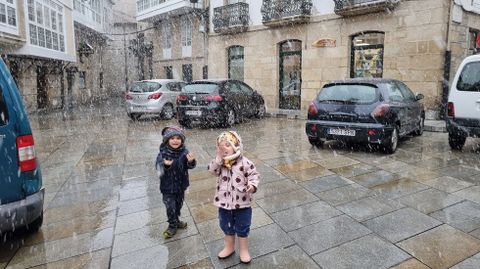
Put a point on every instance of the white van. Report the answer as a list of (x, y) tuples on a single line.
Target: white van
[(463, 108)]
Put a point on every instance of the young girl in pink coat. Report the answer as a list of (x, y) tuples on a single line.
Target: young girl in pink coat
[(237, 181)]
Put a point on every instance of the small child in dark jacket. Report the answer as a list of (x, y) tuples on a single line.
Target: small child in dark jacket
[(173, 162)]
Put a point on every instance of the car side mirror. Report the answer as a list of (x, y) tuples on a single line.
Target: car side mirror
[(419, 97)]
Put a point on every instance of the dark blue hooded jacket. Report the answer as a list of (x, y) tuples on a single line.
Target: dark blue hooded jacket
[(174, 178)]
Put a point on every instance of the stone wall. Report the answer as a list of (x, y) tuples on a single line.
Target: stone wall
[(415, 34)]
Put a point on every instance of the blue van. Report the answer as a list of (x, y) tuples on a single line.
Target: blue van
[(21, 192)]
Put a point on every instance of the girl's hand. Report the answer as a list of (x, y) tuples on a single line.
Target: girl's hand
[(190, 157), (167, 162), (250, 189)]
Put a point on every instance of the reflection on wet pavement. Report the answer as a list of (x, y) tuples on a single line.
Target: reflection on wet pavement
[(334, 207)]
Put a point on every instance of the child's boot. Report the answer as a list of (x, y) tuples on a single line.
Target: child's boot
[(229, 247), (181, 224), (244, 254), (170, 232)]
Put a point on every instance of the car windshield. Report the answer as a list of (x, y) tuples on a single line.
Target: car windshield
[(200, 88), (469, 79), (145, 86), (351, 93)]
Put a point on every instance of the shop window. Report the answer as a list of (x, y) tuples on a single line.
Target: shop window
[(367, 55), (82, 80), (235, 63), (474, 41)]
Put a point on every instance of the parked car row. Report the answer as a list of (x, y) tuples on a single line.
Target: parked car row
[(213, 102)]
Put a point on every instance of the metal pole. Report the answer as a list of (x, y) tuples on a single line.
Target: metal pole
[(126, 58)]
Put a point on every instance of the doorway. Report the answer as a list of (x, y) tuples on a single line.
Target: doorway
[(290, 84)]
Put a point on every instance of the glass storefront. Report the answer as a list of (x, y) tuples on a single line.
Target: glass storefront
[(367, 55), (235, 63)]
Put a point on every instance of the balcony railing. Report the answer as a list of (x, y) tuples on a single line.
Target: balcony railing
[(359, 7), (279, 12), (161, 9), (231, 18)]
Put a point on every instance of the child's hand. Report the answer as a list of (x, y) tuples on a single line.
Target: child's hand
[(190, 157), (250, 189), (167, 162)]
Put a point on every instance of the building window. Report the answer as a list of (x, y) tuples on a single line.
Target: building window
[(474, 41), (90, 9), (46, 24), (186, 37), (205, 72), (168, 72), (187, 72), (235, 62), (167, 35), (82, 78), (367, 55), (8, 13)]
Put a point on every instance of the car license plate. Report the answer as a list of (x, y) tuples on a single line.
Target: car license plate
[(193, 112), (138, 108), (344, 132)]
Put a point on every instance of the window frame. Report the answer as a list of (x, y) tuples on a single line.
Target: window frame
[(8, 8), (354, 48), (42, 32), (234, 57)]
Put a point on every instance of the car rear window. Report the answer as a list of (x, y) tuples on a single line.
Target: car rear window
[(145, 86), (3, 110), (469, 79), (349, 93), (200, 88)]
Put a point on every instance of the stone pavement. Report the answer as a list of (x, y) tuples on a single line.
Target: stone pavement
[(334, 207)]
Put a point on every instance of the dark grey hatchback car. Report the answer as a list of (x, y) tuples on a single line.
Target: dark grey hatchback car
[(376, 111)]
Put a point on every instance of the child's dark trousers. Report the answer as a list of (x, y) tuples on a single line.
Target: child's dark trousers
[(173, 203)]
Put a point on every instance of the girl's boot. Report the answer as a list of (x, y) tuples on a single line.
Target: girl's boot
[(244, 254), (229, 247)]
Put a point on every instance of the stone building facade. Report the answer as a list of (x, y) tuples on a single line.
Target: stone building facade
[(332, 40)]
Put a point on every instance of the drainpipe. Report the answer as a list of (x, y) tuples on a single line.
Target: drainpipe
[(446, 64)]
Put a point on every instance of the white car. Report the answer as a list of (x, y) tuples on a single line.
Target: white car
[(463, 108), (154, 96)]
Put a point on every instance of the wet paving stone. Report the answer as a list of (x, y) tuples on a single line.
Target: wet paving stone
[(336, 162), (201, 264), (204, 212), (398, 188), (263, 240), (401, 224), (344, 194), (459, 171), (369, 207), (298, 217), (438, 163), (470, 193), (448, 184), (96, 259), (374, 178), (286, 200), (152, 257), (140, 204), (411, 264), (295, 166), (395, 166), (62, 249), (326, 183), (430, 200), (464, 216), (470, 263), (56, 214), (327, 234), (149, 236), (285, 160), (210, 230), (275, 188), (441, 247), (354, 170), (200, 197), (309, 173), (291, 257), (367, 252)]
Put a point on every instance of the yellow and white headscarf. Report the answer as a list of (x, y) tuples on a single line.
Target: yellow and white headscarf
[(234, 143)]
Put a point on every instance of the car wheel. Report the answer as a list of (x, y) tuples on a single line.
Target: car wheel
[(260, 113), (167, 112), (134, 116), (36, 224), (315, 142), (456, 141), (230, 119), (392, 143), (420, 127)]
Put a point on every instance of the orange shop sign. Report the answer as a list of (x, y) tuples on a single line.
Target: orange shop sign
[(325, 43)]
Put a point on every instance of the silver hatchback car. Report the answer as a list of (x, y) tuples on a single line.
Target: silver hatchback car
[(155, 96)]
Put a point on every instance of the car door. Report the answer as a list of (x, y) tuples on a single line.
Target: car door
[(10, 181), (233, 97), (174, 88), (465, 92), (248, 102), (398, 106), (414, 108)]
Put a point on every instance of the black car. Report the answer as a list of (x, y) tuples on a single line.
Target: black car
[(377, 111), (222, 101)]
